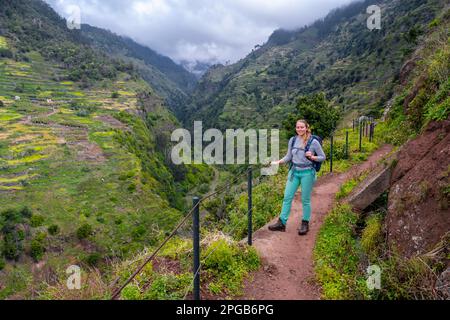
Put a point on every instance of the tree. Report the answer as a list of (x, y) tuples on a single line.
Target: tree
[(20, 88), (6, 53), (84, 231), (319, 113)]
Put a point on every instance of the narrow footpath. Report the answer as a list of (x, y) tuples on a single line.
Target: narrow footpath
[(287, 271)]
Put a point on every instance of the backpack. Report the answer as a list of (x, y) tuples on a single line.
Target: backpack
[(316, 165)]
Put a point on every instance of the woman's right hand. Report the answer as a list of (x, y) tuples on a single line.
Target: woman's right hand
[(275, 163)]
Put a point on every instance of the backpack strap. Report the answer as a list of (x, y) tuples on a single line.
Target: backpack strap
[(292, 147), (308, 145), (293, 142)]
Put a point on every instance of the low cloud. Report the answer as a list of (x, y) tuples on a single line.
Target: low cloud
[(199, 30)]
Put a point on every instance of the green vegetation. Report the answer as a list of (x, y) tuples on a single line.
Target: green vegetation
[(356, 68), (63, 155), (225, 264), (115, 95), (372, 236), (348, 186), (15, 225), (319, 113), (228, 263), (342, 256), (348, 243), (3, 43), (425, 98), (84, 231), (37, 246), (53, 229), (336, 257)]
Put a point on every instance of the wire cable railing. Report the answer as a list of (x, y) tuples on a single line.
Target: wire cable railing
[(195, 208), (197, 271)]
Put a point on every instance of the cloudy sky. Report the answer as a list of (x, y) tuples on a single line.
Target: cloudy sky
[(198, 30)]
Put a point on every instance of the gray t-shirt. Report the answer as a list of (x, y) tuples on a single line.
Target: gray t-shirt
[(297, 153)]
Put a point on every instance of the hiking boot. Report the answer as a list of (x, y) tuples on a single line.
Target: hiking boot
[(304, 228), (278, 226)]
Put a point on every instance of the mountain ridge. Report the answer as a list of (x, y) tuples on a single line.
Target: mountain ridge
[(337, 55)]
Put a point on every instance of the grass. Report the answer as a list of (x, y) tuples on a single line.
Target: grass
[(7, 116), (225, 266), (349, 185), (336, 259), (16, 179), (3, 43), (372, 236)]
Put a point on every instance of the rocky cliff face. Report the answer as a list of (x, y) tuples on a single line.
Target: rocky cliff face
[(418, 208)]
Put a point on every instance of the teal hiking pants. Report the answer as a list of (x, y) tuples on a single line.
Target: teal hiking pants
[(305, 178)]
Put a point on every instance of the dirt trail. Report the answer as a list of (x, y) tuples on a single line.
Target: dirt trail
[(287, 263)]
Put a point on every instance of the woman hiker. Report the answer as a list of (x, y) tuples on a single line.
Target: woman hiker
[(302, 173)]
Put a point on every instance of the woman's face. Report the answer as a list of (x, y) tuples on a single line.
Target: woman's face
[(300, 128)]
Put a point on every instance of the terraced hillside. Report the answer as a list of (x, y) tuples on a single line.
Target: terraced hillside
[(170, 81), (83, 174), (355, 67)]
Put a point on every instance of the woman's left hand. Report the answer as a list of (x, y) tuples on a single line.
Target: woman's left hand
[(309, 155)]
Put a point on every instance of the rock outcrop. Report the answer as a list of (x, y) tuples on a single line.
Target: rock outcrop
[(418, 206)]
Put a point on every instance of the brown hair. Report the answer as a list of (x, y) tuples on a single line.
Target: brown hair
[(308, 131)]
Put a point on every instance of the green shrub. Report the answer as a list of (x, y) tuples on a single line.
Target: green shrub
[(84, 231), (131, 292), (138, 233), (93, 259), (82, 113), (228, 264), (2, 263), (168, 287), (319, 113), (12, 246), (220, 256), (11, 216), (20, 88), (115, 95), (372, 236), (1, 104), (406, 279), (435, 22), (37, 246), (6, 53), (36, 220), (53, 229), (26, 212)]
